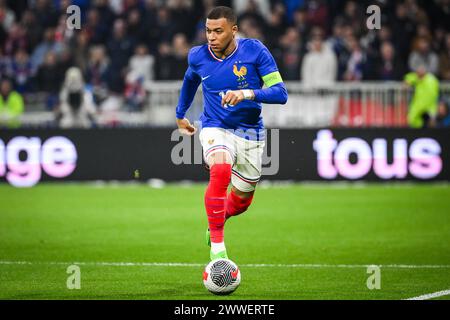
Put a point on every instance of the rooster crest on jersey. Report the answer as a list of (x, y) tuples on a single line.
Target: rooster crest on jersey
[(240, 73)]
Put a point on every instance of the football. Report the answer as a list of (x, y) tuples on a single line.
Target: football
[(221, 276)]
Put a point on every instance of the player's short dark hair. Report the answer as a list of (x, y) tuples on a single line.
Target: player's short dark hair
[(223, 12)]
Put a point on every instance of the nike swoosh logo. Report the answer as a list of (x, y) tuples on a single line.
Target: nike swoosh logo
[(204, 78), (218, 211)]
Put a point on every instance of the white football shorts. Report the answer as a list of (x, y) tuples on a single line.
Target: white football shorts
[(246, 155)]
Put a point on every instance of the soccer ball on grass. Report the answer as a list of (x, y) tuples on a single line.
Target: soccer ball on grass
[(221, 276)]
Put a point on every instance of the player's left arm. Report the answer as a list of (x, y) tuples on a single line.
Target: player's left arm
[(275, 91)]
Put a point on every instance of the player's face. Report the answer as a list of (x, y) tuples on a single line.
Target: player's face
[(220, 33)]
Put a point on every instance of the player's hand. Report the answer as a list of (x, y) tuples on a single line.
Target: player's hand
[(185, 127), (232, 97)]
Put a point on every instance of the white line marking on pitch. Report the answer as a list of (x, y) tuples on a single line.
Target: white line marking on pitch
[(262, 265), (431, 295)]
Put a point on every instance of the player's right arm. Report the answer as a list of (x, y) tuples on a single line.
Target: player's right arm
[(191, 82)]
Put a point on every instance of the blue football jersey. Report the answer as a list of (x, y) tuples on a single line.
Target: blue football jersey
[(249, 66)]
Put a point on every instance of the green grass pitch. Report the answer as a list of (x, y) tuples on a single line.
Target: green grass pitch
[(313, 241)]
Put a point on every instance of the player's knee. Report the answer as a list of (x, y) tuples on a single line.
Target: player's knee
[(220, 171), (241, 201)]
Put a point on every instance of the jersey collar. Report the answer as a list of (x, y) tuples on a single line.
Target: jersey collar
[(220, 60)]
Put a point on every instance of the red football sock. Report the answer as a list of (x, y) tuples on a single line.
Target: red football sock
[(215, 197), (235, 205)]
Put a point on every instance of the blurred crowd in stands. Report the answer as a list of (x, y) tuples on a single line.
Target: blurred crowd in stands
[(123, 44)]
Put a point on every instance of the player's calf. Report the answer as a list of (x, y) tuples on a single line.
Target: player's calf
[(237, 203), (215, 197)]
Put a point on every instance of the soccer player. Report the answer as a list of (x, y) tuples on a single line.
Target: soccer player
[(232, 72)]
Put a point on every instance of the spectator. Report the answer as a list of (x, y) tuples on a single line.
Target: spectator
[(440, 11), (62, 5), (5, 64), (249, 28), (16, 40), (337, 43), (319, 67), (106, 14), (352, 15), (65, 60), (150, 25), (117, 6), (141, 70), (120, 49), (7, 16), (33, 31), (424, 102), (422, 55), (98, 32), (135, 92), (77, 108), (443, 116), (45, 13), (261, 8), (402, 31), (11, 105), (97, 73), (180, 52), (355, 63), (18, 6), (21, 71), (317, 14), (422, 31), (80, 49), (291, 46), (200, 35), (164, 29), (438, 40), (252, 10), (387, 67), (63, 34), (164, 62), (130, 5), (340, 44), (444, 60), (415, 13), (291, 6), (183, 17), (49, 78), (276, 26), (136, 26), (373, 40), (300, 22), (47, 45)]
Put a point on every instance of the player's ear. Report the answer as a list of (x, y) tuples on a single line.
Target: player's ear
[(234, 29)]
